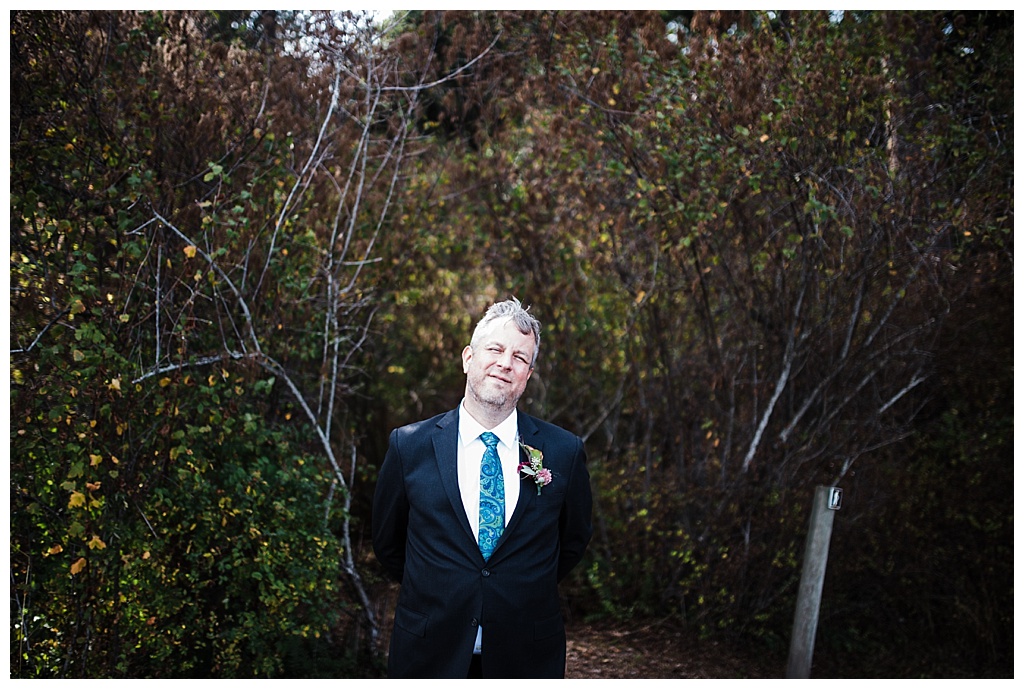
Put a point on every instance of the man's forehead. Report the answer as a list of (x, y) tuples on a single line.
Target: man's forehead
[(503, 330)]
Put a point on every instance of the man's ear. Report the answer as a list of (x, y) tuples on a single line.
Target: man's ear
[(467, 354)]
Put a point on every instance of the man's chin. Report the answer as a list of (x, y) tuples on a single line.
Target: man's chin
[(495, 400), (494, 395)]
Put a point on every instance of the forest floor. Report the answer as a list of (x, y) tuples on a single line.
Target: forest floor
[(655, 652), (642, 649), (658, 649)]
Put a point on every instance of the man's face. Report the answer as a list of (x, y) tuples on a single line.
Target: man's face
[(499, 366)]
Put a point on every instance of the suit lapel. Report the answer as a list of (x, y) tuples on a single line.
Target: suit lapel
[(528, 434), (446, 453)]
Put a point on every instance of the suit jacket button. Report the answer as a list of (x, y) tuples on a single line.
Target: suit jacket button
[(486, 572), (474, 622)]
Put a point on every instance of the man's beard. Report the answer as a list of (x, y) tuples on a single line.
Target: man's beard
[(497, 399)]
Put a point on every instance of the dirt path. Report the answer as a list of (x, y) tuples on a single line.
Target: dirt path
[(651, 651), (644, 649)]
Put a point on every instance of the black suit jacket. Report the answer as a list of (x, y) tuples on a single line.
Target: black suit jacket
[(424, 540)]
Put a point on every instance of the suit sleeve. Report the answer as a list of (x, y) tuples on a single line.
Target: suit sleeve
[(575, 521), (391, 512)]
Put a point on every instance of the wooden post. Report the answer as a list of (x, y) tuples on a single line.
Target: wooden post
[(827, 500)]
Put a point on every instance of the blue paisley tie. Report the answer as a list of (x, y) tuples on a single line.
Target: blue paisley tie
[(492, 496)]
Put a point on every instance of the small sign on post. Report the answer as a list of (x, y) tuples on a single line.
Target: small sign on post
[(827, 499)]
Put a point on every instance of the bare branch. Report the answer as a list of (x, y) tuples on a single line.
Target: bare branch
[(914, 382), (224, 276), (287, 205), (203, 361), (780, 384), (42, 332), (349, 561), (451, 75), (156, 302)]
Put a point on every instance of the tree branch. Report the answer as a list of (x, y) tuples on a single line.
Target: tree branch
[(42, 332)]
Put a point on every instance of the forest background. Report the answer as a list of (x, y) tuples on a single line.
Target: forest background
[(771, 250)]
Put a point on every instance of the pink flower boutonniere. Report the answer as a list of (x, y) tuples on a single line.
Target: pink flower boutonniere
[(535, 467)]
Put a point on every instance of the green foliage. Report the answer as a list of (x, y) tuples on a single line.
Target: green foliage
[(195, 553), (171, 516)]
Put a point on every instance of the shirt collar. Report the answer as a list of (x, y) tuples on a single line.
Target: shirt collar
[(470, 429)]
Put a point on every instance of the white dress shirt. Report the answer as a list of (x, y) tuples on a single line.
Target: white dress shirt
[(471, 453)]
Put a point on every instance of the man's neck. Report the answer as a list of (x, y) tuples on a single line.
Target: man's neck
[(486, 416)]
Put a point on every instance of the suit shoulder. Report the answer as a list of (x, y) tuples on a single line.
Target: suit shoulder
[(423, 426), (552, 431)]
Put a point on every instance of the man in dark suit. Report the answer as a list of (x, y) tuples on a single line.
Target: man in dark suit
[(479, 513)]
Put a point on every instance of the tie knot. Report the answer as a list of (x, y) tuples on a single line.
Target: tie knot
[(490, 440)]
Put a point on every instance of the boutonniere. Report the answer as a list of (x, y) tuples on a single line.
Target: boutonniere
[(534, 468)]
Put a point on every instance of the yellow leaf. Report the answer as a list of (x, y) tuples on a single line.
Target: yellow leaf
[(190, 251), (55, 550), (77, 306), (115, 384), (96, 543), (77, 355), (77, 500), (78, 566), (145, 555), (164, 382), (93, 485)]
